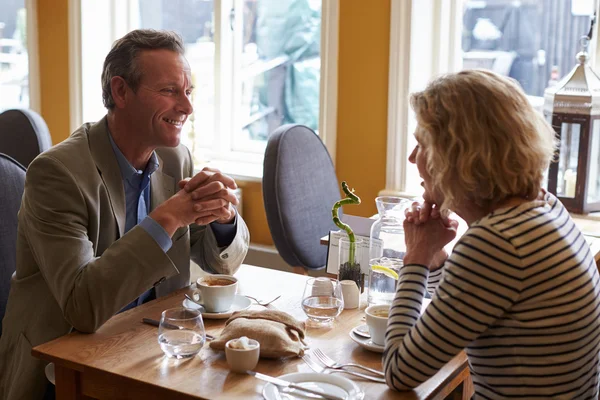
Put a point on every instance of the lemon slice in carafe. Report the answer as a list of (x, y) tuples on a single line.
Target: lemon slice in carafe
[(385, 270)]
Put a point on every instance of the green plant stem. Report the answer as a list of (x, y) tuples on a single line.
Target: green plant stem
[(350, 199)]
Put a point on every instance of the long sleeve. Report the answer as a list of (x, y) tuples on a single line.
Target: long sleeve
[(472, 295)]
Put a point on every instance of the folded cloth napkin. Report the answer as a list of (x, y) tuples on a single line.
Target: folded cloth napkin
[(279, 334)]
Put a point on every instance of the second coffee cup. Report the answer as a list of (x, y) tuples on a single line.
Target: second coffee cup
[(217, 292)]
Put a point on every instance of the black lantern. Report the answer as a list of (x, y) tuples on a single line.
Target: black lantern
[(572, 106)]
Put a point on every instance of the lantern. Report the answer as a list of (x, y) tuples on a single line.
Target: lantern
[(572, 106)]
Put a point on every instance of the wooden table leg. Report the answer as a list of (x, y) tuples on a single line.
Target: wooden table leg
[(68, 384)]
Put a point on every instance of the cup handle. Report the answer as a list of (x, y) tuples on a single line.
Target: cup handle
[(197, 296)]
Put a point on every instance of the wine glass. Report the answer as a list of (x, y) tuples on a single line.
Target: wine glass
[(322, 300), (181, 332)]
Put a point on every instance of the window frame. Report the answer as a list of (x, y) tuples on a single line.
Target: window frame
[(33, 69), (407, 74), (245, 165)]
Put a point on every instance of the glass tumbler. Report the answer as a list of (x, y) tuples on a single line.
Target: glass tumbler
[(181, 332), (322, 300)]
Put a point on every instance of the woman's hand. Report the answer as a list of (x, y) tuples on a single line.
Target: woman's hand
[(427, 232)]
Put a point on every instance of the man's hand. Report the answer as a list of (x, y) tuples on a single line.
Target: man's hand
[(213, 193), (207, 197)]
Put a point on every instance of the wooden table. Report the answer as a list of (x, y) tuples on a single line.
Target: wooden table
[(123, 359)]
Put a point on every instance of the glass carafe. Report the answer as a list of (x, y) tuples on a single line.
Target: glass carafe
[(386, 249)]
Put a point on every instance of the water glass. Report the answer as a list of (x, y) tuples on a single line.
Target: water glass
[(382, 286), (322, 300), (181, 332)]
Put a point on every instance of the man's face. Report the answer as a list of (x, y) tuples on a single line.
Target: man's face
[(162, 102)]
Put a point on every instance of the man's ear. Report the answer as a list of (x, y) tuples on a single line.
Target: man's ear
[(119, 89)]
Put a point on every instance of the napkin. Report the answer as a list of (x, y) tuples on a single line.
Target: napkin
[(279, 334)]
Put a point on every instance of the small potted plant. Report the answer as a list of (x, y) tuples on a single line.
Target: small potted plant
[(349, 268)]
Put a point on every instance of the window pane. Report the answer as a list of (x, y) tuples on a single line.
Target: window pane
[(14, 62), (568, 159), (526, 40), (277, 71), (194, 21)]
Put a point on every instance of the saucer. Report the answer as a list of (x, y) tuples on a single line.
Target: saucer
[(362, 331), (365, 343), (324, 383), (239, 303)]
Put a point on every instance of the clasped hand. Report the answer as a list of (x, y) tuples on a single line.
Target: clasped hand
[(206, 197), (427, 232)]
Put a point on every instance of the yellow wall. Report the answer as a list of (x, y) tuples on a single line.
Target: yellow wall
[(362, 100), (53, 39)]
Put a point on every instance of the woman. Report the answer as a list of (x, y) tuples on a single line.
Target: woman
[(520, 290)]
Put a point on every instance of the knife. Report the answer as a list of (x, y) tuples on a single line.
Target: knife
[(281, 382), (154, 322)]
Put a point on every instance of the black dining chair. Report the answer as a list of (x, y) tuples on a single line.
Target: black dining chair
[(12, 181), (299, 189), (23, 135)]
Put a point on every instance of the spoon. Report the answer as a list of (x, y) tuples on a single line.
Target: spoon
[(190, 298)]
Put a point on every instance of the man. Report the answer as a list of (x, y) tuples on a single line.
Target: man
[(103, 224)]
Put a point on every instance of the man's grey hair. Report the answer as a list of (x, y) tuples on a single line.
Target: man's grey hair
[(122, 57)]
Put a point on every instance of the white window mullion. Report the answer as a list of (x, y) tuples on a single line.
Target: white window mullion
[(329, 75), (237, 25), (33, 57), (400, 35), (223, 72), (416, 55)]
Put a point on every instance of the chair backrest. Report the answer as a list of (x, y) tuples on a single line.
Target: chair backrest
[(12, 181), (299, 189), (23, 135)]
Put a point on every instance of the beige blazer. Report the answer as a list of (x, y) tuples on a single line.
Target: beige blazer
[(75, 266)]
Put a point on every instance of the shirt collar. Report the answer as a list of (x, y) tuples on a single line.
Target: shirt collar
[(128, 171)]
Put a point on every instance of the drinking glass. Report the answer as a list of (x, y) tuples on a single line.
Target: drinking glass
[(353, 269), (322, 300), (181, 332), (382, 285)]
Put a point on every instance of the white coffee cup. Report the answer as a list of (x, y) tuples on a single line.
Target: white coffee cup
[(377, 322), (351, 294), (217, 292)]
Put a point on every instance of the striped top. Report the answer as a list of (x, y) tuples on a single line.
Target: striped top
[(520, 294)]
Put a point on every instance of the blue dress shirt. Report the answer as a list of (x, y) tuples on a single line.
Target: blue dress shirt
[(136, 184)]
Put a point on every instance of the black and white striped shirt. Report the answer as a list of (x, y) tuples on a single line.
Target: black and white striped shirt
[(520, 293)]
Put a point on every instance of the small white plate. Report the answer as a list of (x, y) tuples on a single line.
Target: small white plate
[(366, 343), (328, 384), (239, 303)]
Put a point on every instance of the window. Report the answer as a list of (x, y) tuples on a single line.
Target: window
[(14, 60), (532, 41), (256, 64)]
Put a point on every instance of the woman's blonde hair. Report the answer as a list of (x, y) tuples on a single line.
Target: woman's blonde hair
[(484, 142)]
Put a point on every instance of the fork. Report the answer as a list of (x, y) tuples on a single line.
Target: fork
[(264, 304), (329, 363), (321, 370)]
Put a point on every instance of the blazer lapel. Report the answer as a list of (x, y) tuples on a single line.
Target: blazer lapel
[(106, 162), (162, 186)]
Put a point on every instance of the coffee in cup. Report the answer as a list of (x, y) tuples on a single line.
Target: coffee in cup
[(217, 292), (377, 319), (210, 281)]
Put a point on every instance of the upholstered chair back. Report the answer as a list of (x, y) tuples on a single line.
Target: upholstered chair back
[(12, 181), (23, 135), (299, 189)]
